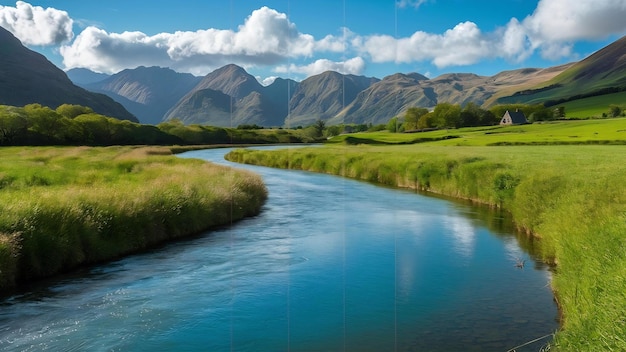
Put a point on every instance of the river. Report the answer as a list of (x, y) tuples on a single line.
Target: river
[(330, 264)]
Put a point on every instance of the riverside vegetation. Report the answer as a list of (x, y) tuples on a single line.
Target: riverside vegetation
[(68, 124), (63, 207), (570, 198)]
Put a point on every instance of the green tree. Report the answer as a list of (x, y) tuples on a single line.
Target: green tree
[(45, 123), (95, 128), (541, 115), (447, 115), (559, 112), (426, 121), (13, 125), (474, 115), (320, 125), (71, 111), (615, 110), (412, 116), (334, 130), (471, 115), (394, 125), (169, 125)]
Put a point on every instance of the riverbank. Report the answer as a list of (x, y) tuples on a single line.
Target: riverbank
[(62, 208), (569, 197)]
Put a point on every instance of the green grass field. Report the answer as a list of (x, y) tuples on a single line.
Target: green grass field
[(571, 198), (593, 107), (62, 207), (601, 131)]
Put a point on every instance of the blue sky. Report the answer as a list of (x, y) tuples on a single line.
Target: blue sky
[(297, 39)]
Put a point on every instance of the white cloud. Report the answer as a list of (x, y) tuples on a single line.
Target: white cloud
[(34, 25), (462, 45), (354, 66), (514, 44), (566, 20), (331, 43), (266, 81), (100, 51), (267, 37), (552, 29), (556, 24)]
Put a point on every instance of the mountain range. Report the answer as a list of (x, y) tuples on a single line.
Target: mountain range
[(230, 96), (27, 77)]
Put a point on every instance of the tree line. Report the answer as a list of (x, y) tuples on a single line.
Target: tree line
[(447, 115), (69, 124)]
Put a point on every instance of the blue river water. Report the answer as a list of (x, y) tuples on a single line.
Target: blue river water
[(330, 264)]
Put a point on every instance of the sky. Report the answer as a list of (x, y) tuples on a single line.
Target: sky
[(297, 39)]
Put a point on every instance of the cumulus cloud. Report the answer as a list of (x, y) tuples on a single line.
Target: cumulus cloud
[(462, 45), (106, 52), (332, 43), (267, 37), (551, 29), (354, 66), (556, 24), (34, 25), (513, 43), (565, 20)]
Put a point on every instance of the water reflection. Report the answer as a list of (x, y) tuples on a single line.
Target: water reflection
[(463, 236), (330, 264)]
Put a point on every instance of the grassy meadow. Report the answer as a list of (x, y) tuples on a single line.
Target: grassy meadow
[(600, 131), (62, 207), (571, 198), (593, 106)]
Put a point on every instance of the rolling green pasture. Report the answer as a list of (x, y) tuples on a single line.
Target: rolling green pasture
[(601, 131), (593, 106), (62, 207), (571, 198)]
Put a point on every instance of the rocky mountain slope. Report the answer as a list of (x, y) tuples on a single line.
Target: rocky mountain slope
[(27, 77), (229, 96), (323, 96), (337, 98), (147, 92)]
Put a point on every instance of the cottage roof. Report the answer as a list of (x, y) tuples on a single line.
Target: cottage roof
[(517, 117)]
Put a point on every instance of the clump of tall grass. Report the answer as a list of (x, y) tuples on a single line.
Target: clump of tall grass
[(571, 199), (109, 202)]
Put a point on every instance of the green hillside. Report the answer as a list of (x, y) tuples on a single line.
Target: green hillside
[(594, 107), (601, 73)]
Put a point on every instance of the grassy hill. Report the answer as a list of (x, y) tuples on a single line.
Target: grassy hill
[(601, 73), (593, 107)]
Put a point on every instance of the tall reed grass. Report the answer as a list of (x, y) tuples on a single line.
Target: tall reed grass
[(572, 199), (64, 207)]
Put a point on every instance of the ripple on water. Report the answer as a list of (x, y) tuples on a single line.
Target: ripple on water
[(329, 264)]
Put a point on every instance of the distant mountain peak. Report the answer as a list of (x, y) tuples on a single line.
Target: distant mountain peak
[(148, 92), (81, 76), (229, 96)]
